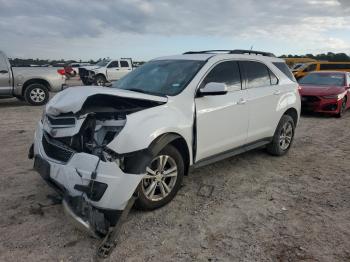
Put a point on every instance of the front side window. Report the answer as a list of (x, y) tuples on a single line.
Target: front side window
[(113, 64), (225, 72), (160, 77), (257, 74), (323, 79)]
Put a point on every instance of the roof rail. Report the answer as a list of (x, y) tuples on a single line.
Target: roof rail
[(236, 51)]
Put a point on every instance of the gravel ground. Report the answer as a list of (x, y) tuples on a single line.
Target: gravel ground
[(262, 208)]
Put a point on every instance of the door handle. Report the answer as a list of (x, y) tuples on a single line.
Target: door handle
[(277, 92), (241, 101), (4, 72)]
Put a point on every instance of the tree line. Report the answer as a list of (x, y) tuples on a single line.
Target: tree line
[(331, 57)]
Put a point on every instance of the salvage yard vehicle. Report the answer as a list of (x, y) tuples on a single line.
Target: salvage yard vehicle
[(31, 84), (321, 66), (102, 147), (106, 71), (326, 92)]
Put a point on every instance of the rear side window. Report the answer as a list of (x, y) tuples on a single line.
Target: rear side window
[(285, 70), (124, 64), (225, 72), (257, 74)]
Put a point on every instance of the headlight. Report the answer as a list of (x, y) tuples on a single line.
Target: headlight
[(340, 96)]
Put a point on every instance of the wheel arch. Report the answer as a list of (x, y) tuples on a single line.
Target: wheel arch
[(36, 81), (292, 112), (175, 140)]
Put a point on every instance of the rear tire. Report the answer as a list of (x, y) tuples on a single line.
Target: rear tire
[(36, 94), (283, 137), (163, 180)]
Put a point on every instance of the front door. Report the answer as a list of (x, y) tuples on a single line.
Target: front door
[(113, 71), (222, 120)]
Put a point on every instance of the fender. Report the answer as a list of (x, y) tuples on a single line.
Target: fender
[(137, 162)]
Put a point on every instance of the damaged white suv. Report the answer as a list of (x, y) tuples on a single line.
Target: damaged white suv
[(101, 146)]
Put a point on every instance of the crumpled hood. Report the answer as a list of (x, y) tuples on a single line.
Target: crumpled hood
[(312, 90), (73, 98)]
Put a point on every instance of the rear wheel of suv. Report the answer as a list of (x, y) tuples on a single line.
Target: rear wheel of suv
[(283, 137), (36, 94), (162, 181)]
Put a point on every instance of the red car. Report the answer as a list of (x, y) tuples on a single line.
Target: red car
[(326, 92)]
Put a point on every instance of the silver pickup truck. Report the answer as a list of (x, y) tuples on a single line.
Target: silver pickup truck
[(31, 84)]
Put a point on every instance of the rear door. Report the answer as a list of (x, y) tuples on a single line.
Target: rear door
[(113, 71), (125, 67), (5, 76), (263, 96), (222, 120)]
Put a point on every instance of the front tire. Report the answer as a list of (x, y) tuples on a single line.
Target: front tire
[(36, 94), (283, 137), (342, 108), (100, 80), (162, 181)]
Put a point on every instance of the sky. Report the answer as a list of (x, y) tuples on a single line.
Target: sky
[(145, 29)]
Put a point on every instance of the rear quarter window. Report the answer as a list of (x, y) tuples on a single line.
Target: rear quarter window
[(285, 70)]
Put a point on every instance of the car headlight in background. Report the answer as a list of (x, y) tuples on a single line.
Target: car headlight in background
[(339, 96)]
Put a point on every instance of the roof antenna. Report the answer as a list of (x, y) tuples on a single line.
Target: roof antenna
[(251, 48)]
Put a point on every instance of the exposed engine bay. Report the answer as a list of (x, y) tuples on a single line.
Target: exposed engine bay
[(101, 117)]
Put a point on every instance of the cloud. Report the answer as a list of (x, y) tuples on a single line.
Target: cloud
[(42, 22)]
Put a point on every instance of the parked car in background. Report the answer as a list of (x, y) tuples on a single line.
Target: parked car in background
[(31, 84), (321, 66), (141, 136), (106, 71), (326, 92), (301, 60), (76, 66)]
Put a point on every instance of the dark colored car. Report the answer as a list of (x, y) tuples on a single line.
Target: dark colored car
[(326, 92)]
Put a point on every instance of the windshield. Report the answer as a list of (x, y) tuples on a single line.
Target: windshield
[(103, 63), (161, 77), (324, 79)]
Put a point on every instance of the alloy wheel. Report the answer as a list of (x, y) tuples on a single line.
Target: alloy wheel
[(37, 95), (160, 178), (286, 136)]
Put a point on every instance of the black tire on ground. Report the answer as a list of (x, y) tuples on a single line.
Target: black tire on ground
[(36, 94), (143, 202), (342, 108), (100, 80), (278, 145)]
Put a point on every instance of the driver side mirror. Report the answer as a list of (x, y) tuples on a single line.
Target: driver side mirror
[(213, 89)]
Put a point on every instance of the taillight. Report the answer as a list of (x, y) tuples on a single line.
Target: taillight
[(61, 71)]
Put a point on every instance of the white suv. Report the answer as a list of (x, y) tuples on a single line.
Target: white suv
[(101, 146)]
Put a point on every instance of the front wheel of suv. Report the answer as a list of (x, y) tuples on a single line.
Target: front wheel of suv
[(162, 181), (283, 137)]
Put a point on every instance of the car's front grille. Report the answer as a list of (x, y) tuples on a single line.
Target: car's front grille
[(83, 72), (55, 149), (61, 121), (310, 99)]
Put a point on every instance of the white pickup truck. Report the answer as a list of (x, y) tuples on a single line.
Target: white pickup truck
[(31, 84), (105, 71)]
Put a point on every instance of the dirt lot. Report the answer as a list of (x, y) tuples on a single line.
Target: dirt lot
[(263, 208)]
